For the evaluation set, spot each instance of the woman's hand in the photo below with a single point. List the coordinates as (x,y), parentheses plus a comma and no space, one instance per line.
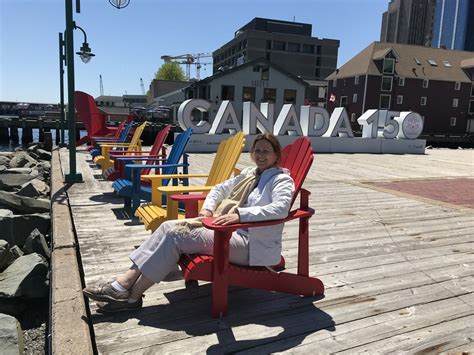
(205,213)
(226,219)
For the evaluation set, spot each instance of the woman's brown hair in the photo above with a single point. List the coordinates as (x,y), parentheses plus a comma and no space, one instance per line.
(270,138)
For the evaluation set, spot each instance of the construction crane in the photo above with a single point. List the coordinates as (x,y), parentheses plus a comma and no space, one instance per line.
(188,60)
(101,85)
(142,86)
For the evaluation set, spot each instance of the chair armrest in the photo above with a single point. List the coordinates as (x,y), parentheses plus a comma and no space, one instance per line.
(132,158)
(182,189)
(122,152)
(185,198)
(191,203)
(172,176)
(112,145)
(295,214)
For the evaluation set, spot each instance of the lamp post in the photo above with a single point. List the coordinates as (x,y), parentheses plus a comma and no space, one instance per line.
(85,53)
(62,58)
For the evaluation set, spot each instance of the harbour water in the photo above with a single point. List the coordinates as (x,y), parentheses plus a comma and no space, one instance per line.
(9,145)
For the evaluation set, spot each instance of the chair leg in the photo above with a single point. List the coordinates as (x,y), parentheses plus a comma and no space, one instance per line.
(220,282)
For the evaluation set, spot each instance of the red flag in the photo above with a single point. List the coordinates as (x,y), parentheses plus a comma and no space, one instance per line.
(332,98)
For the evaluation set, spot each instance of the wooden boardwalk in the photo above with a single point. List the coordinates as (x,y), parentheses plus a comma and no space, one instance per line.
(399,270)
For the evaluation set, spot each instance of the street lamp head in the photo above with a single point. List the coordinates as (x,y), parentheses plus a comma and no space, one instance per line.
(85,53)
(119,4)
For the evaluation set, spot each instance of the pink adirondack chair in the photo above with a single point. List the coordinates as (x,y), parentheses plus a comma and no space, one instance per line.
(298,158)
(93,119)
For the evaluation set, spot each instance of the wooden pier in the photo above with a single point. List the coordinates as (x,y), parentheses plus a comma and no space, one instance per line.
(398,265)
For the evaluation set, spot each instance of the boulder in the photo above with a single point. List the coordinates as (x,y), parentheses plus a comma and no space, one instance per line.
(4,160)
(26,278)
(34,188)
(18,171)
(16,252)
(9,181)
(43,154)
(15,229)
(20,160)
(9,155)
(11,336)
(6,257)
(2,168)
(22,204)
(28,190)
(36,243)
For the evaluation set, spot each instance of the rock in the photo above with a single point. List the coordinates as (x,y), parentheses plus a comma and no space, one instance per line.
(21,159)
(2,168)
(28,190)
(9,155)
(6,256)
(16,251)
(22,204)
(34,188)
(43,154)
(26,278)
(36,243)
(18,171)
(4,160)
(16,228)
(11,336)
(46,165)
(9,181)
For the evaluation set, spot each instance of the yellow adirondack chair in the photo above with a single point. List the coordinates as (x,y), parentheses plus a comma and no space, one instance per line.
(134,147)
(153,214)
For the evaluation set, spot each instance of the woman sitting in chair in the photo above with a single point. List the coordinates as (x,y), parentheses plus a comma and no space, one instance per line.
(259,193)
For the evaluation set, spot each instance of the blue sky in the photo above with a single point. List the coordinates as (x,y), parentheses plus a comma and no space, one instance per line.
(128,43)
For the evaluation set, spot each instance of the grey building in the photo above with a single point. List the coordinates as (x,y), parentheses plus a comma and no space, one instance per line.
(408,22)
(287,44)
(454,25)
(257,81)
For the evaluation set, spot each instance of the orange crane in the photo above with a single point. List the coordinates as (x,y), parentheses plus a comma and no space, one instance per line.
(188,60)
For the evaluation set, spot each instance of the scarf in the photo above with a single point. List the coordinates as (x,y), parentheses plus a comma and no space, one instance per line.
(236,199)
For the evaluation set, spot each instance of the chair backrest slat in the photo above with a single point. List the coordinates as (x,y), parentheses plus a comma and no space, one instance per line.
(89,114)
(157,144)
(177,151)
(297,158)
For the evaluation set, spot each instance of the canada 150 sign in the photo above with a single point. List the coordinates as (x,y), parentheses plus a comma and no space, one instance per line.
(313,121)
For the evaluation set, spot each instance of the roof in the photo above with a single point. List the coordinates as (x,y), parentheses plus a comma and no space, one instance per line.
(364,62)
(109,98)
(258,60)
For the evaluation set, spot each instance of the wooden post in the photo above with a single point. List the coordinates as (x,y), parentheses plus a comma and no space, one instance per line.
(27,136)
(14,134)
(4,134)
(48,141)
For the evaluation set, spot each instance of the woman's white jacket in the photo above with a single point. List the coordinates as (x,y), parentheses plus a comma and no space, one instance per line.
(270,200)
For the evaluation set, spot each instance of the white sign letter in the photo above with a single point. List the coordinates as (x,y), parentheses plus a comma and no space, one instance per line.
(185,115)
(225,119)
(252,118)
(287,121)
(314,121)
(411,124)
(339,125)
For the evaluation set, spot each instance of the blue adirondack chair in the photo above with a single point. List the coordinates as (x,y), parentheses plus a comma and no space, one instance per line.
(131,189)
(122,139)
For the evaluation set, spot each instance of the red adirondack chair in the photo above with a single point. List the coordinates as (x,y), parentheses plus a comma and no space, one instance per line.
(93,119)
(117,171)
(113,138)
(298,158)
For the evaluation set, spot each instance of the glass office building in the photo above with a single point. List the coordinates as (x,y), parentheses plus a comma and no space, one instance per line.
(454,24)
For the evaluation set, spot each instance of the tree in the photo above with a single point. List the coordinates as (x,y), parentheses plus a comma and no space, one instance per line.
(170,71)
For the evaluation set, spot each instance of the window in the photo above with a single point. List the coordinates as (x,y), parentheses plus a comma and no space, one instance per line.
(269,44)
(279,45)
(356,80)
(307,48)
(399,99)
(334,83)
(289,96)
(227,92)
(447,64)
(455,102)
(388,65)
(267,56)
(269,95)
(384,102)
(353,117)
(248,94)
(343,101)
(472,89)
(471,106)
(425,83)
(401,81)
(293,47)
(432,62)
(417,61)
(457,85)
(265,75)
(386,83)
(452,122)
(354,98)
(256,68)
(423,101)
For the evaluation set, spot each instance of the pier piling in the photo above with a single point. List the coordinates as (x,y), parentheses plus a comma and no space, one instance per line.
(14,134)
